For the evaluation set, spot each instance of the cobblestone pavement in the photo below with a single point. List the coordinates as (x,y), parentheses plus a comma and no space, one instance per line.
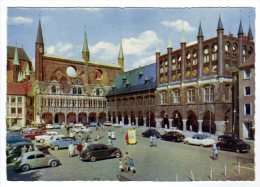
(168,161)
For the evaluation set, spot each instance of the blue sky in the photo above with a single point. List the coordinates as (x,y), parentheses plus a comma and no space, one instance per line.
(142,30)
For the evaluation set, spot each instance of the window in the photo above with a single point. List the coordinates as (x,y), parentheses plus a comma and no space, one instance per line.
(98,74)
(191,95)
(247,109)
(13,99)
(40,156)
(176,96)
(247,73)
(206,55)
(227,92)
(162,98)
(31,157)
(53,89)
(208,94)
(247,90)
(13,111)
(74,90)
(79,91)
(97,92)
(20,110)
(19,99)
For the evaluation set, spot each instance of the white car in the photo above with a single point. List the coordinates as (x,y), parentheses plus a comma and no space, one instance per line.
(199,139)
(78,129)
(52,138)
(117,125)
(45,137)
(107,123)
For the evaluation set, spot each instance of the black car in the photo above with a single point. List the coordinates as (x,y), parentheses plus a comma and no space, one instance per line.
(15,151)
(173,136)
(233,145)
(228,136)
(99,151)
(151,132)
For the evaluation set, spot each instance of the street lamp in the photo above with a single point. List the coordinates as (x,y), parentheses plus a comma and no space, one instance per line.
(234,121)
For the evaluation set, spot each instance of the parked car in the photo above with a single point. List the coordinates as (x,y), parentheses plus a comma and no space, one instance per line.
(16,127)
(233,145)
(78,129)
(99,151)
(176,129)
(46,136)
(173,136)
(35,159)
(15,152)
(107,123)
(53,126)
(199,139)
(228,136)
(150,132)
(12,139)
(52,138)
(32,134)
(63,142)
(93,124)
(117,125)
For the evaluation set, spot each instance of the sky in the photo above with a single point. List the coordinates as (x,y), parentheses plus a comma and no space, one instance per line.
(141,30)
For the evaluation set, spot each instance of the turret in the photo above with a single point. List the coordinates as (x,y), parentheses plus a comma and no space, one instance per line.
(220,33)
(183,54)
(157,54)
(240,35)
(121,62)
(200,39)
(169,59)
(85,49)
(16,66)
(39,52)
(250,34)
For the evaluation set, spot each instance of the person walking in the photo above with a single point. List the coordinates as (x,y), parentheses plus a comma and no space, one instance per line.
(121,167)
(126,162)
(214,151)
(113,138)
(154,140)
(79,148)
(132,167)
(30,148)
(24,149)
(71,150)
(126,138)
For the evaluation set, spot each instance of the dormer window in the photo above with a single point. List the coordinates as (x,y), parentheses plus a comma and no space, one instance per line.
(140,74)
(124,78)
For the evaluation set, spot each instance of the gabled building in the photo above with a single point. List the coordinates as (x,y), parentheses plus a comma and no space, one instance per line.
(19,107)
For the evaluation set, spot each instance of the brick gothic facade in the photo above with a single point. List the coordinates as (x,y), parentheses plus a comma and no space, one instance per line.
(194,84)
(70,90)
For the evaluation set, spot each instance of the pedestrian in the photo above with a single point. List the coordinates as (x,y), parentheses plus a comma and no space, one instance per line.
(151,140)
(71,150)
(154,140)
(30,148)
(24,149)
(214,151)
(113,138)
(85,147)
(35,148)
(79,148)
(126,162)
(68,130)
(132,167)
(126,139)
(72,135)
(109,134)
(121,167)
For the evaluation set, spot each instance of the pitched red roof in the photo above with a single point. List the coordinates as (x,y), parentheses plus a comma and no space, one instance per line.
(15,89)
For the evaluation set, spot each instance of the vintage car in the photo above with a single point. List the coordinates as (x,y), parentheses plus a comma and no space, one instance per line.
(12,139)
(63,142)
(233,145)
(46,136)
(52,138)
(99,151)
(35,159)
(199,139)
(33,133)
(173,136)
(151,132)
(107,123)
(53,126)
(78,129)
(228,136)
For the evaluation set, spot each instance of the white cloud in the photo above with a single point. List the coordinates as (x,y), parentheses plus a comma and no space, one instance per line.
(178,24)
(19,20)
(145,41)
(145,61)
(104,50)
(61,49)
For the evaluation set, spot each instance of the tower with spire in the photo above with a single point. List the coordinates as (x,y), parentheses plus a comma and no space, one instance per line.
(85,49)
(240,35)
(39,52)
(200,39)
(220,34)
(16,66)
(121,62)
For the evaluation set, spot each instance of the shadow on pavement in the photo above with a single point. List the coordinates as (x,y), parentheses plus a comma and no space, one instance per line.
(123,178)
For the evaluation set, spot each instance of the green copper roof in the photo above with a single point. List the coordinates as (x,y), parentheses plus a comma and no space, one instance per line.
(16,58)
(220,26)
(85,44)
(200,33)
(20,78)
(39,38)
(240,29)
(120,54)
(23,73)
(27,70)
(20,51)
(250,34)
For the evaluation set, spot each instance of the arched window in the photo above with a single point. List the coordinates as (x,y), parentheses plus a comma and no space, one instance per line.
(191,95)
(206,55)
(214,52)
(79,91)
(97,92)
(98,74)
(74,90)
(53,89)
(176,96)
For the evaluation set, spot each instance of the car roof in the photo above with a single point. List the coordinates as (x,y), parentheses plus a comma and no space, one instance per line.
(33,153)
(22,143)
(96,145)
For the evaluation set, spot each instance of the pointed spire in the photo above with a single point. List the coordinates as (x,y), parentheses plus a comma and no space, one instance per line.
(120,54)
(240,30)
(39,38)
(220,26)
(183,34)
(169,43)
(19,77)
(27,70)
(85,44)
(200,33)
(250,34)
(16,58)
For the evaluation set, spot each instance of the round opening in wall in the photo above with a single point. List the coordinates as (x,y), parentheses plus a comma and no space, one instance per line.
(71,72)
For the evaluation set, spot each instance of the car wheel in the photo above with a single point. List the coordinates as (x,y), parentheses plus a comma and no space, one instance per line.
(118,155)
(13,159)
(54,163)
(25,167)
(56,147)
(41,140)
(92,159)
